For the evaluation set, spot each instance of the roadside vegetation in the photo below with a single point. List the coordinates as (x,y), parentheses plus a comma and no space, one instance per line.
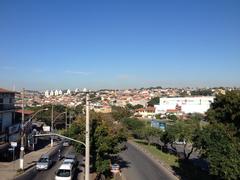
(216,140)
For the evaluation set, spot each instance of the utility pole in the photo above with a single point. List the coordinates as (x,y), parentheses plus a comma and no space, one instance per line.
(22,135)
(52,127)
(66,120)
(87,151)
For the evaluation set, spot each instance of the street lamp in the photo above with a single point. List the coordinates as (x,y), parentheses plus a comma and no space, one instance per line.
(46,109)
(53,120)
(22,131)
(87,150)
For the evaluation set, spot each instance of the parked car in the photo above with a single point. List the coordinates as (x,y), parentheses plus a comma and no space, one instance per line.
(65,172)
(66,143)
(71,157)
(44,163)
(68,161)
(115,168)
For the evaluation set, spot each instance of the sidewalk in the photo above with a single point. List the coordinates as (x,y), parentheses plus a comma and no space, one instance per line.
(8,170)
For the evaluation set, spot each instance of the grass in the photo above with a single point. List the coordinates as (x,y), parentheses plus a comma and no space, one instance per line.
(166,158)
(184,169)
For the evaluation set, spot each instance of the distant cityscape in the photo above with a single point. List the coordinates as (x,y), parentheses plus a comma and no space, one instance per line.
(105,99)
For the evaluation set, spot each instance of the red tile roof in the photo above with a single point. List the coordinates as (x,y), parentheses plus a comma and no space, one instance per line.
(27,112)
(5,91)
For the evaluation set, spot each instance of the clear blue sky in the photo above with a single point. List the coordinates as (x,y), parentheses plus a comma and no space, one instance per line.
(49,44)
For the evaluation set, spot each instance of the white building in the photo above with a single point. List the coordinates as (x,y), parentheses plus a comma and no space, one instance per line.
(68,92)
(186,104)
(60,92)
(46,93)
(56,93)
(51,93)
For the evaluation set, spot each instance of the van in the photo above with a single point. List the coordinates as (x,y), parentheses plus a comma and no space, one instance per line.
(65,172)
(44,163)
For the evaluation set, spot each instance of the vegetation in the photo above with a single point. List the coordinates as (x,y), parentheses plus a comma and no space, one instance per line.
(154,101)
(219,141)
(106,138)
(202,92)
(168,159)
(120,113)
(181,131)
(45,116)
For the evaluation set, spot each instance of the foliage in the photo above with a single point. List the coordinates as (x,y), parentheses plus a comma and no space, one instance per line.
(181,131)
(154,101)
(221,148)
(150,133)
(226,109)
(45,116)
(172,117)
(120,113)
(202,92)
(106,137)
(138,106)
(219,141)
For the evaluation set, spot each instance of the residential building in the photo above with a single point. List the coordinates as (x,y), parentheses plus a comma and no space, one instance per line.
(7,119)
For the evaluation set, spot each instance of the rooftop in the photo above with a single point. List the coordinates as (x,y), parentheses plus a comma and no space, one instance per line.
(5,91)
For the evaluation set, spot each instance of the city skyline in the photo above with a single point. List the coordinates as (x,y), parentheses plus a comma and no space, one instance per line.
(119,45)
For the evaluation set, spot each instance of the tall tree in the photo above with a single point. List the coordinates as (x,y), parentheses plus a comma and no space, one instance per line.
(226,108)
(220,147)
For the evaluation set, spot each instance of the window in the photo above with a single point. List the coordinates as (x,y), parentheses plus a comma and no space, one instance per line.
(1,104)
(1,118)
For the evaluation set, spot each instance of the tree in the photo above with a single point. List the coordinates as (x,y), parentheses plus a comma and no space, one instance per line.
(138,106)
(220,147)
(119,113)
(226,108)
(151,133)
(154,101)
(105,140)
(181,131)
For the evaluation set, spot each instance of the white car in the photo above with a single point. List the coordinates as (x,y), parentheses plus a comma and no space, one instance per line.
(65,172)
(44,163)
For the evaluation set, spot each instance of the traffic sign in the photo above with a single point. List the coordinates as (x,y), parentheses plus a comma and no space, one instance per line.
(22,148)
(14,144)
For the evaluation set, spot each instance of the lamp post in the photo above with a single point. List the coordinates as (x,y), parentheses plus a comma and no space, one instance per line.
(22,131)
(87,142)
(87,151)
(22,138)
(52,127)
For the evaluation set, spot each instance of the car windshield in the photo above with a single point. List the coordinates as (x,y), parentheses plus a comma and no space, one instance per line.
(43,160)
(63,173)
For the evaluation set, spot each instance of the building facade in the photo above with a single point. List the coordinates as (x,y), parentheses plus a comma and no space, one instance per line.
(9,129)
(185,104)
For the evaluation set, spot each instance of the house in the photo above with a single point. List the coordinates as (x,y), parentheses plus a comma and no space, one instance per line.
(148,112)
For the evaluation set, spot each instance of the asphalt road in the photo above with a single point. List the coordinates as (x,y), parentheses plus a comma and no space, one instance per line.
(50,173)
(136,165)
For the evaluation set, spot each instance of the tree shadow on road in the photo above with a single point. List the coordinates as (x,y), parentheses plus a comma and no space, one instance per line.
(123,164)
(188,171)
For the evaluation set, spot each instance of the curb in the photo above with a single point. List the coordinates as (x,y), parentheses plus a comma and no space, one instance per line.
(31,172)
(153,158)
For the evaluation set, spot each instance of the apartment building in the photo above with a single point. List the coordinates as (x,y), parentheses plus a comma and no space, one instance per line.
(8,126)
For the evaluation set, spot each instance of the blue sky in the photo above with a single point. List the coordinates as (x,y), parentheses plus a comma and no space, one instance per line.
(63,44)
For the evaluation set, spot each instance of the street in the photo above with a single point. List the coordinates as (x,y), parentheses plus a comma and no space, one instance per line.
(50,173)
(136,165)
